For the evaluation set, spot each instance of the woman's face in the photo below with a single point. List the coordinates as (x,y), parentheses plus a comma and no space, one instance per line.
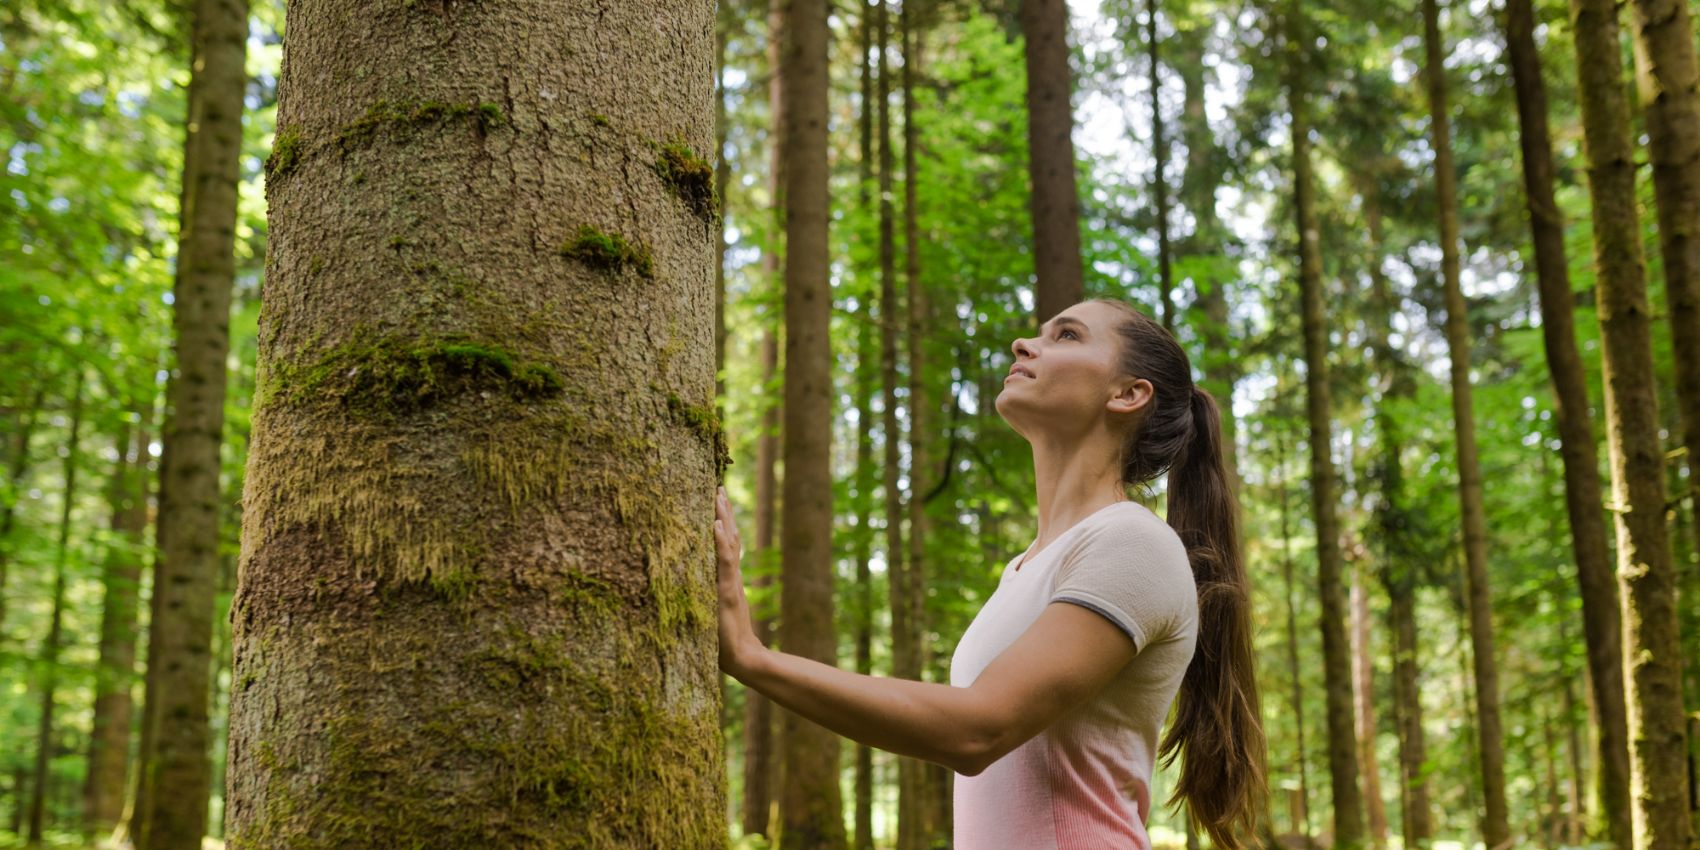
(1067,378)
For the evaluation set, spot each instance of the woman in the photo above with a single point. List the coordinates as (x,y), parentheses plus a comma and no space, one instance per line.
(1059,686)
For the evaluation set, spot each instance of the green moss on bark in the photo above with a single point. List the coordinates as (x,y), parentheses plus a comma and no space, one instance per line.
(286,153)
(401,116)
(388,375)
(691,178)
(609,252)
(704,422)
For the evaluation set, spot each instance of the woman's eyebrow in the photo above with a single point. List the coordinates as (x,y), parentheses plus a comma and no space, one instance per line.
(1069,320)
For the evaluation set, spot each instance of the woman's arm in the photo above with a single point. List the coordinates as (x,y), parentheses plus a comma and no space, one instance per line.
(1061,661)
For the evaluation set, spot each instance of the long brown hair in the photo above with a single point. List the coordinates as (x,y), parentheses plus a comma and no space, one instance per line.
(1218,723)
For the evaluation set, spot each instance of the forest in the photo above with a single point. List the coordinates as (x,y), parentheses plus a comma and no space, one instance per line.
(367,369)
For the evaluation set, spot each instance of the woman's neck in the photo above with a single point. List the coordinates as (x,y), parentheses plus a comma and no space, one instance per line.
(1073,480)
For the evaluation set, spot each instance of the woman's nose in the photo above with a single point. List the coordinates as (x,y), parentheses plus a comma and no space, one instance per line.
(1020,348)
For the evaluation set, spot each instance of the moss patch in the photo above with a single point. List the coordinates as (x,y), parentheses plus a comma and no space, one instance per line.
(691,178)
(609,251)
(286,152)
(402,115)
(388,374)
(704,422)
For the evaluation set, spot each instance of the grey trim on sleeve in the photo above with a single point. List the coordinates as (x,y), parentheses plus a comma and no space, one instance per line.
(1103,610)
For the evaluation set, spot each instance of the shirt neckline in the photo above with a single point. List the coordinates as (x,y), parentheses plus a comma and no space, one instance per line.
(1023,559)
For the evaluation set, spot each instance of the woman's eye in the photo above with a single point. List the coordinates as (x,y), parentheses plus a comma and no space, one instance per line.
(1068,332)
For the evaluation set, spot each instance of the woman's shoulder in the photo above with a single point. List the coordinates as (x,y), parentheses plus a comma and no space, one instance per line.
(1136,529)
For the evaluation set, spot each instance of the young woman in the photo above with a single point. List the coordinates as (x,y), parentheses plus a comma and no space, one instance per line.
(1060,684)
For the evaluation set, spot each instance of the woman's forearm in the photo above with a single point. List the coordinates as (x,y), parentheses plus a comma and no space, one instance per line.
(929,721)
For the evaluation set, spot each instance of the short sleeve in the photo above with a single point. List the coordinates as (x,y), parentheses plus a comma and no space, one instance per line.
(1133,571)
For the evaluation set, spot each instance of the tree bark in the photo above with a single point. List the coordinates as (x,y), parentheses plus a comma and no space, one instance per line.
(1337,667)
(810,803)
(1601,621)
(1667,76)
(179,640)
(109,746)
(1055,201)
(1363,690)
(50,645)
(867,364)
(475,606)
(722,177)
(1159,182)
(1495,826)
(1652,660)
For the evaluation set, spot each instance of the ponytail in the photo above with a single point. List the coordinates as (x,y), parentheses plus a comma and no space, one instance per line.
(1218,726)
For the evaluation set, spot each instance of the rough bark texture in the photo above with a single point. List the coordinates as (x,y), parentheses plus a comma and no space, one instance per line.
(50,644)
(1652,659)
(1496,828)
(1055,201)
(109,745)
(1159,181)
(1601,621)
(476,601)
(180,639)
(759,743)
(722,177)
(1667,76)
(810,804)
(1363,692)
(1336,653)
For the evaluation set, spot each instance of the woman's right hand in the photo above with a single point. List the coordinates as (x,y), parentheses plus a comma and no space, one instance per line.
(738,639)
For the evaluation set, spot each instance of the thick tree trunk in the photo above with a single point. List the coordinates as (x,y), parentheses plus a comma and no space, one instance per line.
(759,744)
(17,464)
(1055,202)
(1363,691)
(476,601)
(1652,655)
(1337,666)
(50,645)
(109,747)
(1496,826)
(809,797)
(1667,76)
(179,641)
(1159,180)
(1601,620)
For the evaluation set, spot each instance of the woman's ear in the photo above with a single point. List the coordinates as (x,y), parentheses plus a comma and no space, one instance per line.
(1132,398)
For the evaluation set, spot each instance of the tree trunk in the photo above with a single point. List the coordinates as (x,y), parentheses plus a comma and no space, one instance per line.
(17,464)
(179,642)
(1496,827)
(759,731)
(1667,76)
(109,747)
(1159,182)
(867,364)
(50,645)
(1652,654)
(1337,666)
(1301,817)
(1363,690)
(1055,202)
(1601,621)
(722,177)
(809,798)
(476,601)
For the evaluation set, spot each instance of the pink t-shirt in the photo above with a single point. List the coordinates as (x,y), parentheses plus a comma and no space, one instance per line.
(1085,782)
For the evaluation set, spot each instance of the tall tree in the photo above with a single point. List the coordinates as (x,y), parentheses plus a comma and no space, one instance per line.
(1496,827)
(1301,815)
(1363,692)
(52,642)
(1055,202)
(810,803)
(1159,180)
(1667,76)
(17,463)
(476,601)
(179,642)
(1658,780)
(867,366)
(109,745)
(1601,621)
(1336,652)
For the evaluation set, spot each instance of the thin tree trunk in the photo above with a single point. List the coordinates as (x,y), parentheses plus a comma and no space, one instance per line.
(44,743)
(1667,76)
(1337,666)
(1159,183)
(1363,690)
(1297,704)
(1055,202)
(1496,826)
(1601,620)
(867,364)
(475,606)
(1573,832)
(179,643)
(109,749)
(908,662)
(18,464)
(1652,653)
(810,804)
(760,789)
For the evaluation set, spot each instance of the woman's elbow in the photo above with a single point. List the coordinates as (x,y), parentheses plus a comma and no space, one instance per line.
(975,752)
